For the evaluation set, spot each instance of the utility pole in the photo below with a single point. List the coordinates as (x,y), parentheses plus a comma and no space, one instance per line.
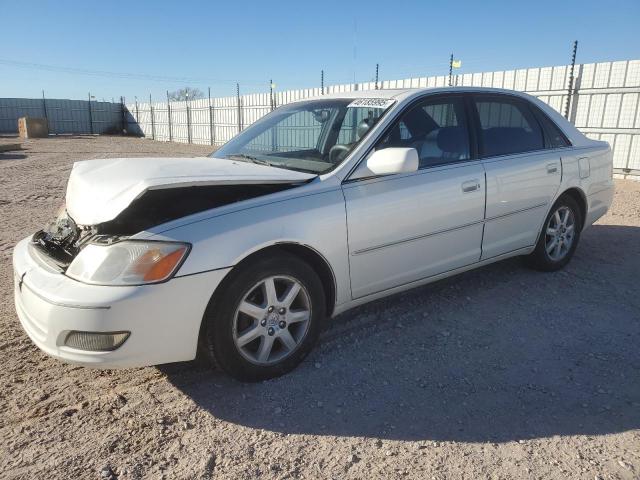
(321,82)
(377,71)
(451,70)
(571,78)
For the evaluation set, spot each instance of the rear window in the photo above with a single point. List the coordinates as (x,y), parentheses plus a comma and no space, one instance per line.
(507,126)
(553,135)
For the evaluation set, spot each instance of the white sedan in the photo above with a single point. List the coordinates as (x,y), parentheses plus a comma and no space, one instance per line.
(322,205)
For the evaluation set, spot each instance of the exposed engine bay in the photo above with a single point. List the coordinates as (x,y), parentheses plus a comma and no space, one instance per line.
(62,239)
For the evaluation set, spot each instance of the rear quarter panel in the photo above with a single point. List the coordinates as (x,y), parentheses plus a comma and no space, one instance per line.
(590,169)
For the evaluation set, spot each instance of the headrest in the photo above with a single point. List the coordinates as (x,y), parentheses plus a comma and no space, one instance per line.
(363,128)
(452,139)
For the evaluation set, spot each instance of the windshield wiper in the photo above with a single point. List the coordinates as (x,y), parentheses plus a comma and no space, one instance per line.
(243,157)
(248,158)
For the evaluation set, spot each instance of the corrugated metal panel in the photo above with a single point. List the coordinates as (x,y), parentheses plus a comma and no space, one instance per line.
(64,116)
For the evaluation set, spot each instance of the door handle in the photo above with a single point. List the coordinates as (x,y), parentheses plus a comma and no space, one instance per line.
(470,186)
(552,168)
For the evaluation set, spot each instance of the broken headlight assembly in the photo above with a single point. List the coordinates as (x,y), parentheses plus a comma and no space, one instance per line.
(128,262)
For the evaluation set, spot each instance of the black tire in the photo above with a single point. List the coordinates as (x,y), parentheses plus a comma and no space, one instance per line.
(217,335)
(540,259)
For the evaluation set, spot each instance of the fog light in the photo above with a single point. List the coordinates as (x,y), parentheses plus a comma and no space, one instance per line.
(96,341)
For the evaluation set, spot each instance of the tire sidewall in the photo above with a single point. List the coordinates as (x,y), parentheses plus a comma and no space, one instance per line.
(220,316)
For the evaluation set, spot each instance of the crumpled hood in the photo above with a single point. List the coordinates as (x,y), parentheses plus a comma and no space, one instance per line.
(99,190)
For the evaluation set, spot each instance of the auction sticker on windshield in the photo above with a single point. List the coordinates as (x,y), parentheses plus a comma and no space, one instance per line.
(372,102)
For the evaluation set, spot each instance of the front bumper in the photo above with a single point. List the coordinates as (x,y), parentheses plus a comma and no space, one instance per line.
(164,319)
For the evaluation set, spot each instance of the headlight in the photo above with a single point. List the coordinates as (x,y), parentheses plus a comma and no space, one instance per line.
(129,262)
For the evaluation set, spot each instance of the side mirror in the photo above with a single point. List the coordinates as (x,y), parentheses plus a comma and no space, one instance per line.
(392,160)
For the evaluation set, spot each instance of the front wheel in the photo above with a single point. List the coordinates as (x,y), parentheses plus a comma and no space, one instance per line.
(559,237)
(265,319)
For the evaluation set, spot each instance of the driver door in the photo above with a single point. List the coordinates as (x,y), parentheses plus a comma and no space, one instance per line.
(403,228)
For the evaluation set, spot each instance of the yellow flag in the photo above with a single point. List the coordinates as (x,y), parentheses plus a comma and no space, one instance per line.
(456,63)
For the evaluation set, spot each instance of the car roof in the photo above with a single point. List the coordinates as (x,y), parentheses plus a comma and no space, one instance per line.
(403,93)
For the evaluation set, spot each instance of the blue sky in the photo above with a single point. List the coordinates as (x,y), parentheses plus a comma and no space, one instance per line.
(210,43)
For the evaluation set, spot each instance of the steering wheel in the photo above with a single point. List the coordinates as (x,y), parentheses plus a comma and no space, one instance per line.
(338,152)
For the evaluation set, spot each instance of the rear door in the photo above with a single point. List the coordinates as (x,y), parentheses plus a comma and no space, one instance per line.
(406,227)
(522,175)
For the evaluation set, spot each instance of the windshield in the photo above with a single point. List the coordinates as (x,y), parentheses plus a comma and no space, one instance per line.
(313,136)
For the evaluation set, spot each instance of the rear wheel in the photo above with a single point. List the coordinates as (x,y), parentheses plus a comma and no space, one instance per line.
(265,318)
(559,237)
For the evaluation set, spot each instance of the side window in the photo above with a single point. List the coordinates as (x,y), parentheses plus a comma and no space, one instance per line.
(553,136)
(507,126)
(436,128)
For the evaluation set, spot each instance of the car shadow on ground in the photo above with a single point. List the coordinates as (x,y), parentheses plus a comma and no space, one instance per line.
(493,355)
(12,156)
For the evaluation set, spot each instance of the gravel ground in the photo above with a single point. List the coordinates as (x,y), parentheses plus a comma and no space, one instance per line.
(497,373)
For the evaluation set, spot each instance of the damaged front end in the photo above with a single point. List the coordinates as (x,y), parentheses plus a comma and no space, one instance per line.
(62,239)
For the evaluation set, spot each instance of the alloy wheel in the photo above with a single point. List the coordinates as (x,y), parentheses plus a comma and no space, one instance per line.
(560,233)
(272,320)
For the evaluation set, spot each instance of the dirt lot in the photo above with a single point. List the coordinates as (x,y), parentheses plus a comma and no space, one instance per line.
(498,373)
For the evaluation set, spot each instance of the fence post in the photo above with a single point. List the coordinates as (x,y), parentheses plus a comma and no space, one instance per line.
(321,82)
(188,119)
(377,69)
(138,117)
(169,116)
(451,70)
(90,116)
(570,87)
(271,94)
(575,94)
(44,107)
(123,114)
(153,123)
(239,108)
(211,133)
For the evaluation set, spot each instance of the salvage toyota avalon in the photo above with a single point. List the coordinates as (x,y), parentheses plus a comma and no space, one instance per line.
(322,205)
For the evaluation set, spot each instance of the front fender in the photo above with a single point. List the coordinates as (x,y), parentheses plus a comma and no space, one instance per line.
(317,220)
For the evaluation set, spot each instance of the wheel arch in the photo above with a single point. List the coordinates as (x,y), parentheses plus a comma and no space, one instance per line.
(307,254)
(580,198)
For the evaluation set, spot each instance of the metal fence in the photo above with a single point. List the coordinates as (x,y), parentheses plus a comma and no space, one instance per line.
(64,116)
(604,105)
